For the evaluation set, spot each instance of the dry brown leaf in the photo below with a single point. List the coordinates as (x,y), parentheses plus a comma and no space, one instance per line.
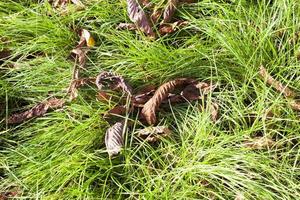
(143,96)
(171,28)
(153,134)
(117,110)
(113,81)
(287,92)
(63,3)
(295,105)
(214,110)
(139,17)
(128,26)
(85,39)
(156,14)
(114,139)
(37,111)
(259,143)
(149,110)
(77,83)
(103,96)
(169,11)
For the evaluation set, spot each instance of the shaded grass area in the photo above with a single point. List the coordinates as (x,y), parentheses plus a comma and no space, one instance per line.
(62,155)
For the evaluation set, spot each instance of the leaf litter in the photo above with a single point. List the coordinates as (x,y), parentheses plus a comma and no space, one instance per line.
(283,89)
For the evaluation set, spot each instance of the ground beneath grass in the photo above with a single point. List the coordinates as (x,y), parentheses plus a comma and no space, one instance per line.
(62,154)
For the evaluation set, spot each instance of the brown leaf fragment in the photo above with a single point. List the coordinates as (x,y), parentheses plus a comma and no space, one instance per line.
(259,143)
(139,17)
(171,28)
(154,134)
(197,90)
(214,110)
(113,81)
(37,111)
(147,4)
(149,110)
(187,1)
(8,195)
(127,26)
(5,54)
(143,96)
(287,92)
(117,110)
(169,11)
(63,3)
(156,14)
(103,96)
(295,105)
(77,83)
(114,139)
(85,39)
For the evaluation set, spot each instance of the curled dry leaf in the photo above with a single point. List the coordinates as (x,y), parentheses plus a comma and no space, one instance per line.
(143,96)
(77,83)
(114,82)
(85,39)
(114,139)
(276,84)
(259,143)
(139,17)
(169,11)
(37,111)
(153,134)
(149,110)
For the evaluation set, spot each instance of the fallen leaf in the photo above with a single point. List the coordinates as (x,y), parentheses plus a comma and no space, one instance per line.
(169,11)
(114,139)
(63,3)
(117,110)
(103,96)
(128,26)
(170,28)
(153,134)
(259,143)
(113,81)
(139,17)
(214,110)
(197,90)
(85,39)
(77,83)
(143,96)
(149,110)
(287,92)
(37,111)
(156,14)
(295,105)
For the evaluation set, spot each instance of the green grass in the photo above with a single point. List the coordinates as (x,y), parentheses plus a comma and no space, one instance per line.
(62,155)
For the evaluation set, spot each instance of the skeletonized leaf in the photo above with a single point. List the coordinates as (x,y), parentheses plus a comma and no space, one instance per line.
(139,17)
(153,134)
(169,11)
(37,111)
(149,110)
(287,92)
(259,143)
(113,81)
(114,139)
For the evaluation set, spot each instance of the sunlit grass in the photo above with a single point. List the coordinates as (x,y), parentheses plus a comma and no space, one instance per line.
(62,155)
